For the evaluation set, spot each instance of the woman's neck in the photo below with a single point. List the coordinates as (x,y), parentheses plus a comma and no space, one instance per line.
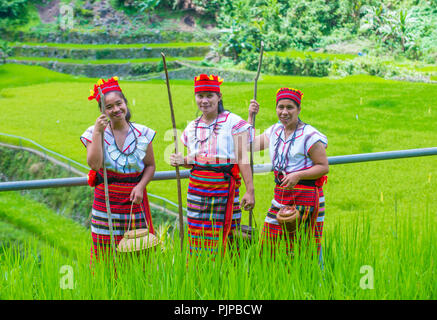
(209,117)
(288,130)
(119,125)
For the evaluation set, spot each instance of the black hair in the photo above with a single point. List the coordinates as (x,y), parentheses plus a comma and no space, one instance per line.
(221,109)
(121,95)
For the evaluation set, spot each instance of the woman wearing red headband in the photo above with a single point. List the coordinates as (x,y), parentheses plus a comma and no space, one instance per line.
(130,166)
(298,155)
(216,143)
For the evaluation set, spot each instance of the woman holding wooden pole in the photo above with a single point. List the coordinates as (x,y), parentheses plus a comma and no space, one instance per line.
(128,154)
(298,155)
(216,143)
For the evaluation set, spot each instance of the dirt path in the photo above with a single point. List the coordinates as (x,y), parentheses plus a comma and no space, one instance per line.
(48,10)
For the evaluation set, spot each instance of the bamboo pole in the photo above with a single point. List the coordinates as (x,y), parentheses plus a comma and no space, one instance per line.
(178,177)
(105,180)
(253,118)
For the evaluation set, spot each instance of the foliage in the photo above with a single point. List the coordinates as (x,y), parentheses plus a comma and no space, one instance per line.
(304,24)
(5,50)
(280,24)
(141,6)
(401,29)
(12,8)
(308,66)
(13,12)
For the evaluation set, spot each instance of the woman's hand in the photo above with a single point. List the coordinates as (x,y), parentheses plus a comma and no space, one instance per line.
(101,123)
(176,159)
(253,107)
(253,110)
(248,201)
(290,180)
(136,195)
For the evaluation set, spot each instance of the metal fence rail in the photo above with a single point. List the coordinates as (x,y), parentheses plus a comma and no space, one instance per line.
(169,175)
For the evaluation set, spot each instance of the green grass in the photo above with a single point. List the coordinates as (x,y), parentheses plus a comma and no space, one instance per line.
(29,219)
(13,75)
(430,68)
(359,114)
(105,61)
(113,46)
(303,54)
(379,214)
(357,265)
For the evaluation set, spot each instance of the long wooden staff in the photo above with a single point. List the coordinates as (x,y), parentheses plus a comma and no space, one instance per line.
(105,181)
(253,118)
(175,134)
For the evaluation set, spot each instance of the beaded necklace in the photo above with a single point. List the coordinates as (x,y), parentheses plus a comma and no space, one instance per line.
(214,129)
(280,163)
(136,140)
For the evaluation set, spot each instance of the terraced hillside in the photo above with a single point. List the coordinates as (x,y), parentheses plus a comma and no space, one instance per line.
(138,60)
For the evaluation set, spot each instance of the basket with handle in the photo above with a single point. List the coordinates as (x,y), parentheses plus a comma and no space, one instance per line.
(288,216)
(137,240)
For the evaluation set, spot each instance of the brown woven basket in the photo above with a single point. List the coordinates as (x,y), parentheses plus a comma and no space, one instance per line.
(137,240)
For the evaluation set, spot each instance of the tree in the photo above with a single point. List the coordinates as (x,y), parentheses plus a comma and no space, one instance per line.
(5,51)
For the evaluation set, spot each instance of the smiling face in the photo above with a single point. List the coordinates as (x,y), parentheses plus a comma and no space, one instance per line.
(288,112)
(207,102)
(115,106)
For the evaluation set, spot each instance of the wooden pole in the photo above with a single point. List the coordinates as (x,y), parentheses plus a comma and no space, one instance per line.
(105,180)
(253,124)
(178,177)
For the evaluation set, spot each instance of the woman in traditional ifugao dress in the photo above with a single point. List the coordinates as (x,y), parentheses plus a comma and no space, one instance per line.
(216,143)
(130,166)
(298,155)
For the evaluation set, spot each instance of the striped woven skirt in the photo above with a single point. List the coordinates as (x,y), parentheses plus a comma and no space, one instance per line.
(209,221)
(310,202)
(119,191)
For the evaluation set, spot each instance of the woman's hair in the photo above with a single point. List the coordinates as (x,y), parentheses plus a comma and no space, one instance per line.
(220,106)
(120,95)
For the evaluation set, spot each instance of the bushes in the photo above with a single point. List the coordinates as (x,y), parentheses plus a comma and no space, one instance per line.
(289,66)
(12,8)
(407,31)
(298,66)
(13,12)
(319,67)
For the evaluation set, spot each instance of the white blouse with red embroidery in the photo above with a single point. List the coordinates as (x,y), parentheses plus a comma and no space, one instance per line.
(130,159)
(215,140)
(292,154)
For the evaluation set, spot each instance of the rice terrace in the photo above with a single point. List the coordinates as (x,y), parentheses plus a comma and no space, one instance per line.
(368,74)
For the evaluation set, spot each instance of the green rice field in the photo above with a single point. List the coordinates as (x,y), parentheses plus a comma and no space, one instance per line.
(314,55)
(104,61)
(380,216)
(112,46)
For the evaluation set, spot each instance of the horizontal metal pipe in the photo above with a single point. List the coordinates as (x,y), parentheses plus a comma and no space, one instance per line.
(260,168)
(386,155)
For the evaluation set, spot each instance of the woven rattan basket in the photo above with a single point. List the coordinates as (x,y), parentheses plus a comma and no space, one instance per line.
(137,240)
